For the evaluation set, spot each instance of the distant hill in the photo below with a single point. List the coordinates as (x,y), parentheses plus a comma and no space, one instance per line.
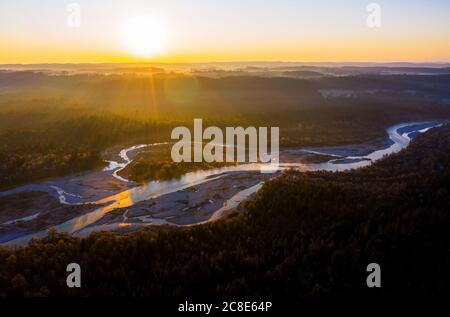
(303,74)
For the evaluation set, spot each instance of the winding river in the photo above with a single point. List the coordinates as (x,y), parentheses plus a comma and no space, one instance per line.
(399,137)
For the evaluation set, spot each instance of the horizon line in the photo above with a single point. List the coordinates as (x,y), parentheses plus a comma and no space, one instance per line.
(440,62)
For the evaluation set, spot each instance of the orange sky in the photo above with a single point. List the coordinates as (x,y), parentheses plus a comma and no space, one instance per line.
(199,31)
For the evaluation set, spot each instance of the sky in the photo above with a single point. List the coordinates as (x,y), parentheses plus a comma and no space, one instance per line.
(173,31)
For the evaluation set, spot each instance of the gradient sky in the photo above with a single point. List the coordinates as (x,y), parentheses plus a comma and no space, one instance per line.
(33,31)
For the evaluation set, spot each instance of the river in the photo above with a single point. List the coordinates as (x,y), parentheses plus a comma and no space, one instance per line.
(207,184)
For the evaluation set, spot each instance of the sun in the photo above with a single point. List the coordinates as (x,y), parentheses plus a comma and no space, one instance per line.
(144,37)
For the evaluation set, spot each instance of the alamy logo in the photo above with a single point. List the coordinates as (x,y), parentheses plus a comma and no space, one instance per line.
(74,16)
(374,18)
(74,278)
(220,150)
(374,278)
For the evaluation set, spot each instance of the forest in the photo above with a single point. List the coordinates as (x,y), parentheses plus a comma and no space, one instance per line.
(54,125)
(303,235)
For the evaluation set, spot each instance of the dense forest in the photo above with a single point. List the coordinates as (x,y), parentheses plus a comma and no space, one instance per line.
(304,234)
(66,145)
(54,125)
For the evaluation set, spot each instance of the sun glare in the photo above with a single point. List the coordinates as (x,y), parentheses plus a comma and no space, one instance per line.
(144,37)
